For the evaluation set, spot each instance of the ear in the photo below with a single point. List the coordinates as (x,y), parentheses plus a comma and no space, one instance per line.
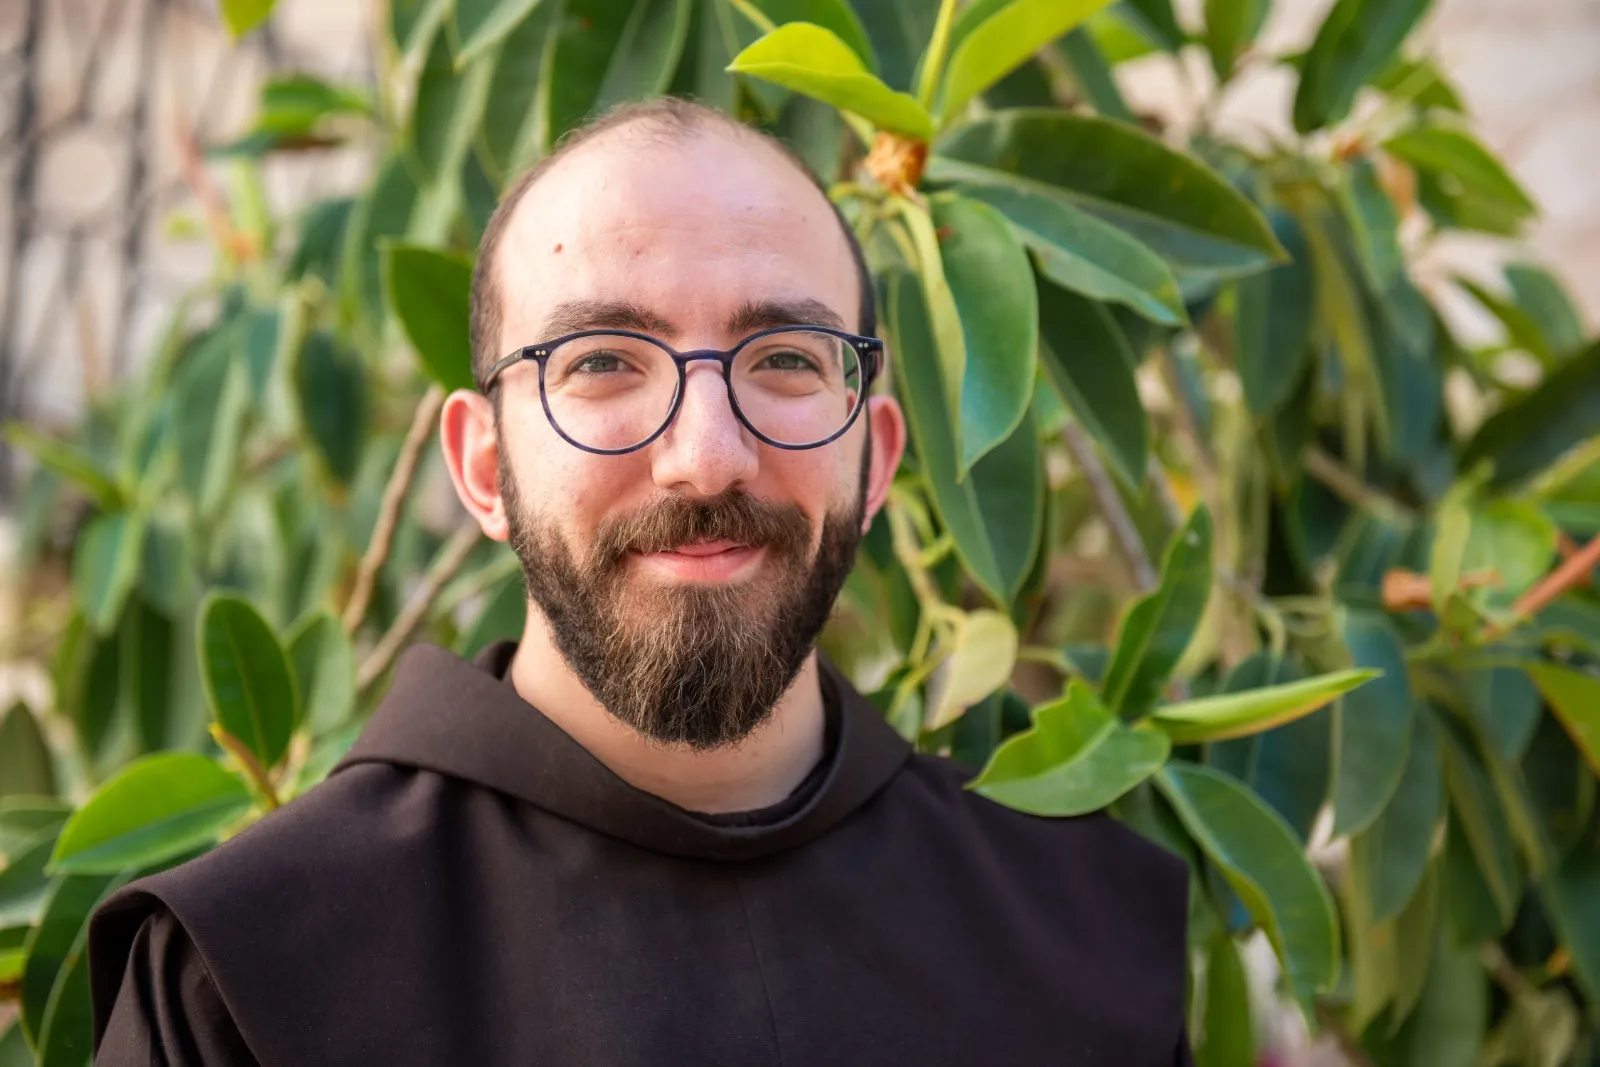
(888,444)
(467,437)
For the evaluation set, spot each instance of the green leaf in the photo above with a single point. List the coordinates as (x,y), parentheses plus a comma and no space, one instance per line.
(430,292)
(66,1031)
(1076,758)
(1288,767)
(1156,20)
(24,883)
(1156,629)
(324,671)
(1571,895)
(479,25)
(1396,846)
(211,404)
(24,818)
(1273,322)
(25,765)
(1419,82)
(1374,222)
(106,566)
(1185,212)
(994,514)
(814,61)
(1446,152)
(330,396)
(1452,1014)
(1241,714)
(1092,71)
(445,114)
(1228,1036)
(153,809)
(1531,431)
(1002,42)
(1415,931)
(1231,26)
(899,31)
(1082,254)
(504,616)
(144,671)
(383,212)
(647,53)
(242,16)
(1574,698)
(1546,303)
(1506,708)
(1474,915)
(72,463)
(1374,725)
(1477,809)
(1261,859)
(984,651)
(516,127)
(992,285)
(1355,43)
(1092,366)
(248,680)
(61,929)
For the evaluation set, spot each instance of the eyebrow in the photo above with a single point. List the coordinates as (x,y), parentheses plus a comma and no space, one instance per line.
(587,314)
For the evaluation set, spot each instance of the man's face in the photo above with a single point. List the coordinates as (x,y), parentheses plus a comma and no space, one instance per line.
(684,582)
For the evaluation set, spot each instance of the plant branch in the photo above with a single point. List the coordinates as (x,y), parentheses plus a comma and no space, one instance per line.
(1574,570)
(1349,487)
(446,563)
(247,760)
(1112,509)
(394,495)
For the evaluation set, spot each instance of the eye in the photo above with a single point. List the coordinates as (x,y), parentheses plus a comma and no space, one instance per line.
(598,363)
(787,359)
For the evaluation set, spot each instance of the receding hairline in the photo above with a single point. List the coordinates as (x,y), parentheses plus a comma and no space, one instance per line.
(662,121)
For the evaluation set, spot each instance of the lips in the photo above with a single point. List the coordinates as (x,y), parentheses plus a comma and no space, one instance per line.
(702,561)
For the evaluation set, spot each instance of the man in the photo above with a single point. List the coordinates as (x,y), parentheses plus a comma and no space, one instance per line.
(658,830)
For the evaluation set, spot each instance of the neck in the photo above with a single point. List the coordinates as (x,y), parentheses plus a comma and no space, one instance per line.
(761,770)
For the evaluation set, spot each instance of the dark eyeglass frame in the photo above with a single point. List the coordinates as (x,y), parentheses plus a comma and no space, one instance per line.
(869,349)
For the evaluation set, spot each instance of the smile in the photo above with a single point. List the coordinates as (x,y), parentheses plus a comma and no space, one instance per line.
(704,561)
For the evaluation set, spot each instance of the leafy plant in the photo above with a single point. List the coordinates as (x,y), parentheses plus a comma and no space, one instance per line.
(1298,600)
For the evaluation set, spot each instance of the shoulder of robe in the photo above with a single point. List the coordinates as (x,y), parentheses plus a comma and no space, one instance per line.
(1107,867)
(337,845)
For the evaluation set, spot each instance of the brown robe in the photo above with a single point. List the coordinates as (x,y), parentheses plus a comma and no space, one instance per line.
(471,887)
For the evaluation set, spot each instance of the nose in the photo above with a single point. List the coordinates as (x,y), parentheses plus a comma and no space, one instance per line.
(707,449)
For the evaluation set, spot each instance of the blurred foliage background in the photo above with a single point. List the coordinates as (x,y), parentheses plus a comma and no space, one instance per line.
(1209,517)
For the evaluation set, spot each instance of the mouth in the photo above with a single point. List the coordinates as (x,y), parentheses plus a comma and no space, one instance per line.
(703,561)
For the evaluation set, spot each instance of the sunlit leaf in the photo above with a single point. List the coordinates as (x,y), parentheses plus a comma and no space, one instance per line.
(984,651)
(1240,714)
(1003,41)
(1076,758)
(155,808)
(813,61)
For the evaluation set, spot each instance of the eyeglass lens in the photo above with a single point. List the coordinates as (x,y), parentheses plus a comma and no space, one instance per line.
(611,391)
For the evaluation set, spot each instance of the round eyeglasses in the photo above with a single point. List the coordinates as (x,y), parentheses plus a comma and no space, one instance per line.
(615,391)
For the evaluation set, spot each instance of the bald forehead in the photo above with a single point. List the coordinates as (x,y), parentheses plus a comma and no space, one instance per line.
(636,195)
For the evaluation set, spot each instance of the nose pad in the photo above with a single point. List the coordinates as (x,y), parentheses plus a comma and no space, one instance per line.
(706,448)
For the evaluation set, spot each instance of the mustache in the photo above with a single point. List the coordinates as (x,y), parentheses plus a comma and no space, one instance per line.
(675,520)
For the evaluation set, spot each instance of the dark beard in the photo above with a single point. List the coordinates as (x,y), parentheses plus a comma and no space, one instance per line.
(701,666)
